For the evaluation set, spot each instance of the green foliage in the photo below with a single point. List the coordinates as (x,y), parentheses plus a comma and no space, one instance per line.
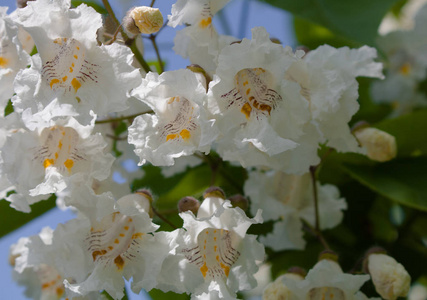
(11,219)
(156,294)
(356,20)
(99,8)
(403,181)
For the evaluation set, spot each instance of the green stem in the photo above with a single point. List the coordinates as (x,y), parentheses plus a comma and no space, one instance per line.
(123,118)
(315,197)
(152,3)
(128,41)
(153,41)
(317,234)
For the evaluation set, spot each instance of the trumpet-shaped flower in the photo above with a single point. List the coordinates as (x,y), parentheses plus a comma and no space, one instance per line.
(12,57)
(70,65)
(327,77)
(180,125)
(214,257)
(288,199)
(49,153)
(262,117)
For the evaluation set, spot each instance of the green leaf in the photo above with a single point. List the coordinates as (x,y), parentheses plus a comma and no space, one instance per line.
(93,4)
(403,181)
(357,20)
(409,131)
(11,219)
(156,294)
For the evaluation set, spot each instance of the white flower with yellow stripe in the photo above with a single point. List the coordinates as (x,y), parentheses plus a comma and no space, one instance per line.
(50,152)
(215,257)
(70,65)
(262,117)
(180,125)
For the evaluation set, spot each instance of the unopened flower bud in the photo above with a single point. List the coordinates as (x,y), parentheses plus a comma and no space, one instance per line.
(380,145)
(188,204)
(214,192)
(146,198)
(328,254)
(143,19)
(390,278)
(239,201)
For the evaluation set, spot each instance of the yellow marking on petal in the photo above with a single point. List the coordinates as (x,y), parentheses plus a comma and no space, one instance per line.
(246,110)
(215,248)
(72,64)
(122,234)
(130,220)
(48,162)
(405,69)
(185,134)
(60,142)
(76,84)
(116,241)
(110,248)
(59,291)
(3,62)
(71,70)
(78,99)
(204,269)
(215,238)
(77,47)
(205,22)
(137,235)
(245,83)
(217,257)
(56,155)
(119,262)
(248,91)
(53,81)
(225,268)
(171,137)
(126,227)
(97,253)
(75,56)
(64,78)
(69,164)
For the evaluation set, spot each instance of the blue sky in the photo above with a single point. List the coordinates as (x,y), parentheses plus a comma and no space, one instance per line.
(277,23)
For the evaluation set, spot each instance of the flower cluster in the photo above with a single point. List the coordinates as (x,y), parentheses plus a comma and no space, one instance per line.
(253,102)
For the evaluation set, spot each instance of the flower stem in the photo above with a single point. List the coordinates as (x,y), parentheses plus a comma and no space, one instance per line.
(163,218)
(159,59)
(123,118)
(128,41)
(315,197)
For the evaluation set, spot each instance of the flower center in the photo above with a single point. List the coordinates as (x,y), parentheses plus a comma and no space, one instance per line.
(215,253)
(253,92)
(326,293)
(114,240)
(180,120)
(69,69)
(59,148)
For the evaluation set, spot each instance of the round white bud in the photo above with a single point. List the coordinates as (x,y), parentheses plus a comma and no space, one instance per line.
(380,145)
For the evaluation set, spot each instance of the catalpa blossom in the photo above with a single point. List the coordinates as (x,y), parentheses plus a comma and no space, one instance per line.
(70,65)
(327,77)
(39,263)
(49,153)
(287,199)
(120,244)
(406,63)
(262,117)
(195,12)
(326,280)
(12,57)
(214,257)
(180,125)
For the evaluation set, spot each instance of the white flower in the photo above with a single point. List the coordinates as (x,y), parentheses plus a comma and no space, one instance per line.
(180,126)
(326,280)
(328,81)
(390,278)
(262,117)
(195,12)
(12,57)
(50,153)
(70,65)
(406,62)
(278,290)
(215,257)
(289,198)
